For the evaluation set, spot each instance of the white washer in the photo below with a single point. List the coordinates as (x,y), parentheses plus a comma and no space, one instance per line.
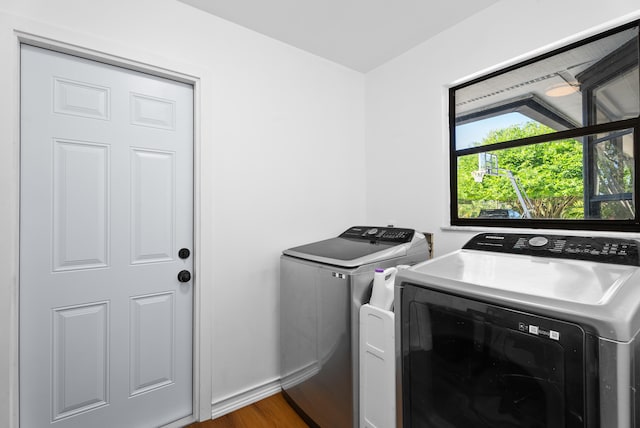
(521,330)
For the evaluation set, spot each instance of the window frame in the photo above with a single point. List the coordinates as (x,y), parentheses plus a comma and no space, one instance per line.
(568,130)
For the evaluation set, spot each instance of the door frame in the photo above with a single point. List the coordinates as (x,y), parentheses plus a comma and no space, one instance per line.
(14,32)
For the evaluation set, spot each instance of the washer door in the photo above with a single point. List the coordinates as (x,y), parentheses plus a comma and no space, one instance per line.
(471,364)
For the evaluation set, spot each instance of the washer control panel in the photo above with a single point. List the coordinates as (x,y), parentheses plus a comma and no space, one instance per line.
(376,233)
(595,249)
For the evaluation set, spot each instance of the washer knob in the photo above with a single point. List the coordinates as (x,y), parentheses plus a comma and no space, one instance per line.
(372,231)
(538,241)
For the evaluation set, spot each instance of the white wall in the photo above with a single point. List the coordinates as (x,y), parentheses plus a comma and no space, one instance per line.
(285,137)
(285,143)
(406,107)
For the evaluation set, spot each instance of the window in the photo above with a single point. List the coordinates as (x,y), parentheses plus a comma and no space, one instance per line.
(552,142)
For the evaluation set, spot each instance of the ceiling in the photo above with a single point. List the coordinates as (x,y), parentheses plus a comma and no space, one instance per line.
(359,34)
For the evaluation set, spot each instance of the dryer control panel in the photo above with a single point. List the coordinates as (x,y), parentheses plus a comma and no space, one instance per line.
(394,235)
(595,249)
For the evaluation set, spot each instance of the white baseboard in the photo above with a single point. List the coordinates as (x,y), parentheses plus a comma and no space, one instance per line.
(242,399)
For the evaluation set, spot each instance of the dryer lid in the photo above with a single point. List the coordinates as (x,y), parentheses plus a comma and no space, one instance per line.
(590,281)
(496,275)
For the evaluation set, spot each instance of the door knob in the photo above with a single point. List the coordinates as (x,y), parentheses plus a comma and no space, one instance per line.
(184,253)
(184,276)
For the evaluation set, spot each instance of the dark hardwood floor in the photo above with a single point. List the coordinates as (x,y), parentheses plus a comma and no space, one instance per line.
(272,412)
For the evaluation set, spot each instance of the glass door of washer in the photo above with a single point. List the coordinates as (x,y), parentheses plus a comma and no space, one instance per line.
(468,364)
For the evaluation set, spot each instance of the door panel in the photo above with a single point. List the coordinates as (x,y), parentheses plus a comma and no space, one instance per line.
(80,205)
(152,197)
(80,345)
(152,353)
(106,202)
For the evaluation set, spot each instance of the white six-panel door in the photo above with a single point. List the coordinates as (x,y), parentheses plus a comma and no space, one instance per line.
(106,207)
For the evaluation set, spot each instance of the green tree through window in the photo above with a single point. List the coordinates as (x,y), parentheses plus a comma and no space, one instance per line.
(550,174)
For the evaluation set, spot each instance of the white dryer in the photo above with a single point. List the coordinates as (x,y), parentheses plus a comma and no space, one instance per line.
(513,330)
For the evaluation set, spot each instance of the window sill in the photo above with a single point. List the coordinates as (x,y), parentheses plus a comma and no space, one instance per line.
(590,233)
